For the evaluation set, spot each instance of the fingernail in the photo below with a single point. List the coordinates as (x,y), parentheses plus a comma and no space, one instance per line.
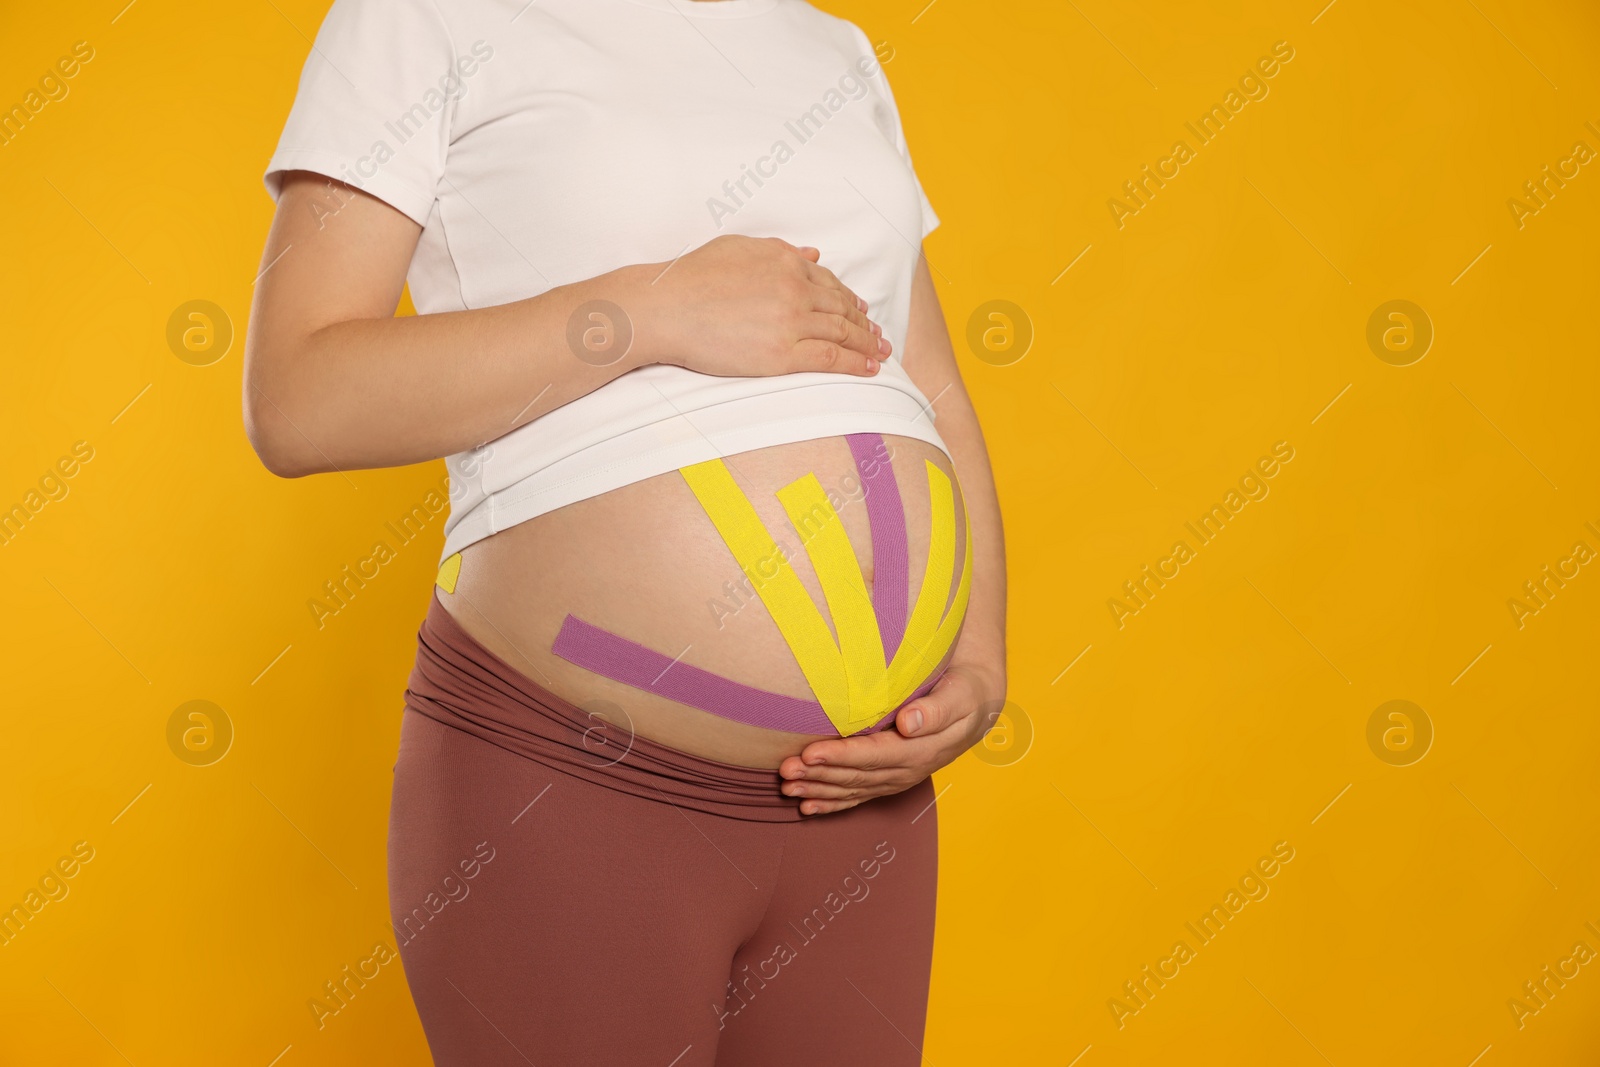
(860,303)
(795,791)
(816,761)
(883,345)
(872,366)
(914,720)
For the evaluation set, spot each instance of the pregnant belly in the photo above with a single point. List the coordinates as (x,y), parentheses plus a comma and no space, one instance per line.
(738,609)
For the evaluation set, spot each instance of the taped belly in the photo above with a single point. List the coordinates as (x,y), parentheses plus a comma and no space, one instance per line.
(875,658)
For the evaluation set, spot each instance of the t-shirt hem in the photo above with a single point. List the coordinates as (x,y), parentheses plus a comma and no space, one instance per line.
(502,510)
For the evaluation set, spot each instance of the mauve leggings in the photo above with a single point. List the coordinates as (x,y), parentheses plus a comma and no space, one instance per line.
(563,894)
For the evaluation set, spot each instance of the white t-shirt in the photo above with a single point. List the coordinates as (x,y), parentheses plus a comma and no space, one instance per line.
(542,143)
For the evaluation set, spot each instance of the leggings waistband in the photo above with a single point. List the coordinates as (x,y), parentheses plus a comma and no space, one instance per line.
(460,683)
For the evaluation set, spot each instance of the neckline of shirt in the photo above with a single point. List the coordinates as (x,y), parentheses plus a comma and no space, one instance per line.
(710,9)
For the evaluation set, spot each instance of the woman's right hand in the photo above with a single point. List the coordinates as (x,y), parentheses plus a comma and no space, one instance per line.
(756,306)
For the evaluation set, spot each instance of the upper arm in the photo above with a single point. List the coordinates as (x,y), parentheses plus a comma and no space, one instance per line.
(333,254)
(928,359)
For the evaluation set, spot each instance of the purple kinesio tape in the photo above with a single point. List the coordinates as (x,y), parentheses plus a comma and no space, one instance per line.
(891,565)
(630,663)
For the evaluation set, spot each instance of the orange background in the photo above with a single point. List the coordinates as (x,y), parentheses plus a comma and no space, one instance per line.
(1167,754)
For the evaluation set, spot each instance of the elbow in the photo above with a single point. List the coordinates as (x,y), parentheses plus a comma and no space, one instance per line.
(275,453)
(277,443)
(283,464)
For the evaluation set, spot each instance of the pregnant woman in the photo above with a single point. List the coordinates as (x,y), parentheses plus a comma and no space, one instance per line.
(722,581)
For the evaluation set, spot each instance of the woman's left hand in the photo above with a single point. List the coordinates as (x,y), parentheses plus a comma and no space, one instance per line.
(929,733)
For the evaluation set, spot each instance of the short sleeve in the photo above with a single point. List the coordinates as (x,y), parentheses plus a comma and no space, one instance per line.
(375,103)
(930,220)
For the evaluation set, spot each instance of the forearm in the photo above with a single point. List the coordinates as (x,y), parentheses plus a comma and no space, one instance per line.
(384,392)
(333,381)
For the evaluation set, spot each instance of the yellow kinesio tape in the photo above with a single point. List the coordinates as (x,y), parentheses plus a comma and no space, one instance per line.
(786,599)
(449,572)
(854,685)
(931,630)
(854,623)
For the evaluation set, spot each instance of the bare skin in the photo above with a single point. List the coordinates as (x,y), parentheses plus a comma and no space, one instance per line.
(334,381)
